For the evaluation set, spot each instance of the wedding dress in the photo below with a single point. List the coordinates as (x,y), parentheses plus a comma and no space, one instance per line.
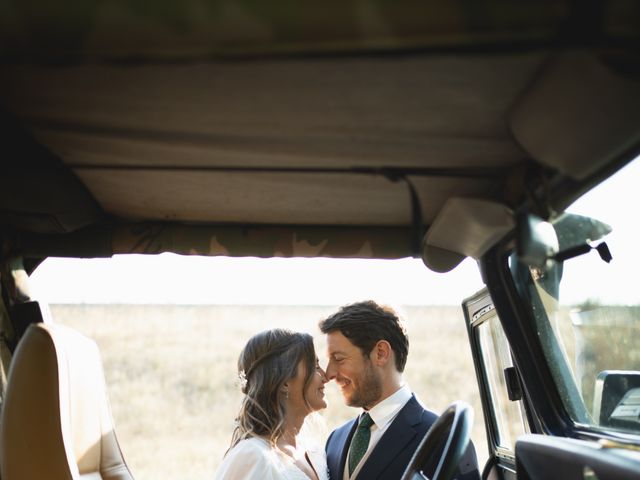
(255,459)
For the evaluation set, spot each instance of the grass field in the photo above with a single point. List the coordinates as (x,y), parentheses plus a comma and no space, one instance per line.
(172,378)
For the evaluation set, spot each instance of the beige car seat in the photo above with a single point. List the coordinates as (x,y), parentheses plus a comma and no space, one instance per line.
(56,421)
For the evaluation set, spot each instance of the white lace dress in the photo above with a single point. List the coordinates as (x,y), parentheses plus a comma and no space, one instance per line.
(254,459)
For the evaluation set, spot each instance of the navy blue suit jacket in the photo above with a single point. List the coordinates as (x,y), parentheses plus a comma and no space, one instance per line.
(394,450)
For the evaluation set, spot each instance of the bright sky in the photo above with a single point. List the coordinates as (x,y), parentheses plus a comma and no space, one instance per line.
(614,202)
(170,278)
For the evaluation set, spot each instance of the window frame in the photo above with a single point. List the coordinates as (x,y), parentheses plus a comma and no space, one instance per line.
(479,310)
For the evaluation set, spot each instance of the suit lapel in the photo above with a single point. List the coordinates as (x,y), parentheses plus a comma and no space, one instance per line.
(397,436)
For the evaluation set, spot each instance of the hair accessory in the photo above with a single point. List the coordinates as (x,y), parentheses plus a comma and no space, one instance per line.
(242,380)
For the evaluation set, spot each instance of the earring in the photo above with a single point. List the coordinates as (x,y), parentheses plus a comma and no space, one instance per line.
(286,394)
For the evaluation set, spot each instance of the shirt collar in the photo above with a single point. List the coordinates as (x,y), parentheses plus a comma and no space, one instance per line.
(385,411)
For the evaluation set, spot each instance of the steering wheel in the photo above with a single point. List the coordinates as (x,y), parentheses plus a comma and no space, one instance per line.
(443,446)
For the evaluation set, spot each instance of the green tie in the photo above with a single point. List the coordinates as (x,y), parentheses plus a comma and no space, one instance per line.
(360,442)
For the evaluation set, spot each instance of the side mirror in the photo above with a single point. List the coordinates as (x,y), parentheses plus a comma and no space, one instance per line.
(616,401)
(537,241)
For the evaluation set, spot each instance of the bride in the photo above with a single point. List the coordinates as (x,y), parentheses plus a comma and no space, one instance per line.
(283,383)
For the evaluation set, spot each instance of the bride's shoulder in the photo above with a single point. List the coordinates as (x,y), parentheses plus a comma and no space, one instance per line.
(251,446)
(251,458)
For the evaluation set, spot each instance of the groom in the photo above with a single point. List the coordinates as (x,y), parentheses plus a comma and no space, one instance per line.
(367,347)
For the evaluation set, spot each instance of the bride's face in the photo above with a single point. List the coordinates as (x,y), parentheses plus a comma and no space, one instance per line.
(314,392)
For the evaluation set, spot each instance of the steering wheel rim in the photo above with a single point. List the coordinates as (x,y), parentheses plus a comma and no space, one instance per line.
(449,435)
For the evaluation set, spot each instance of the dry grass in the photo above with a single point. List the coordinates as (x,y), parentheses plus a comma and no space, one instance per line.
(171,374)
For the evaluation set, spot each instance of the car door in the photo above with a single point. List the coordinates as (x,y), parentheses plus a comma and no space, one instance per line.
(504,412)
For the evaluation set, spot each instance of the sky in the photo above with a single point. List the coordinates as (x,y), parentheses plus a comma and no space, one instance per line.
(170,278)
(614,202)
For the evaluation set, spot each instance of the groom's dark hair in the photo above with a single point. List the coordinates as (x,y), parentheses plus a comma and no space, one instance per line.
(366,323)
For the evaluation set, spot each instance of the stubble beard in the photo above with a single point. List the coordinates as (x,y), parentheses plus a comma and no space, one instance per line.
(369,389)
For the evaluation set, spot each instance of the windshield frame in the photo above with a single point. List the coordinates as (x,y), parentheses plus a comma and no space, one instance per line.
(543,398)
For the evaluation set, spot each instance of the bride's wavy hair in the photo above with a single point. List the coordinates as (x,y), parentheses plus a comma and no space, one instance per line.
(268,360)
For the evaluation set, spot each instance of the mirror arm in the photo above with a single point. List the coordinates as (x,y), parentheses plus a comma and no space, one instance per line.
(601,248)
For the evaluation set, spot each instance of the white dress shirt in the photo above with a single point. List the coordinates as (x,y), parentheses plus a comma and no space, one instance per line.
(382,415)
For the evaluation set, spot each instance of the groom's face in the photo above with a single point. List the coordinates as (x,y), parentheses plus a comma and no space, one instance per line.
(353,371)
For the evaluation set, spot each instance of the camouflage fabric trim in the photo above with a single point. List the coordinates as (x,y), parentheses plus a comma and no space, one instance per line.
(268,241)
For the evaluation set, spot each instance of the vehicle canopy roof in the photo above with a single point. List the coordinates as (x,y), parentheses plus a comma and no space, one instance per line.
(341,129)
